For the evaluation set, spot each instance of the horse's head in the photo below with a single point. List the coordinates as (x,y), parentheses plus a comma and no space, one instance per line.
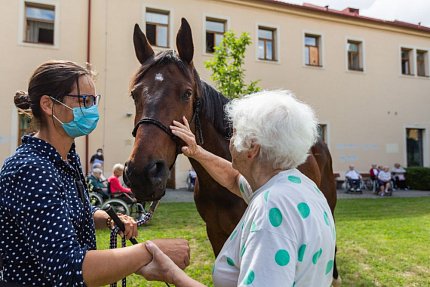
(165,88)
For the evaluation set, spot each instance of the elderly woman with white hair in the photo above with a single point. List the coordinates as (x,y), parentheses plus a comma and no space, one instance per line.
(286,236)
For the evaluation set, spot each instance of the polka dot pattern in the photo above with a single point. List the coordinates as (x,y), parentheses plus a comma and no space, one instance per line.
(39,202)
(249,278)
(275,217)
(301,254)
(316,256)
(304,209)
(282,257)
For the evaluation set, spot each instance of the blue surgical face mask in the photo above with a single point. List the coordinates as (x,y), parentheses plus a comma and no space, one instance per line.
(84,120)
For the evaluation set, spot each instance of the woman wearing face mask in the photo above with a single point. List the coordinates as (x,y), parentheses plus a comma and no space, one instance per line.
(47,234)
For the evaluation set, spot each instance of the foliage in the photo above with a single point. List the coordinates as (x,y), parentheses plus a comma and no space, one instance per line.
(226,66)
(418,178)
(381,241)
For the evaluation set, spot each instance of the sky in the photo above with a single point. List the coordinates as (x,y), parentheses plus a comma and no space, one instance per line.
(412,11)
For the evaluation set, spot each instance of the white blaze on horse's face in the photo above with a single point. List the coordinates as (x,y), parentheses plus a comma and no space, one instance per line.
(159,77)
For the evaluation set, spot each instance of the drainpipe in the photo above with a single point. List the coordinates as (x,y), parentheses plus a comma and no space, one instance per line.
(87,142)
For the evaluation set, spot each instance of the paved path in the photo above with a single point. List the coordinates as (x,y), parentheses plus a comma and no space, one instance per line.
(183,195)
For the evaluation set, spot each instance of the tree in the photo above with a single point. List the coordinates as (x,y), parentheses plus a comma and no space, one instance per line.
(226,66)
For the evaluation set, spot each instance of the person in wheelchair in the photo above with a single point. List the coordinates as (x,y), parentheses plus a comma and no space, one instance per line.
(353,178)
(384,179)
(116,189)
(99,185)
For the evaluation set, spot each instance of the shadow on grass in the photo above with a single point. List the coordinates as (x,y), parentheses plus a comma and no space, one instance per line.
(381,209)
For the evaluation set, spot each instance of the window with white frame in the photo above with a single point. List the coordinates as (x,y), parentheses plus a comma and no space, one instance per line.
(407,61)
(39,23)
(215,29)
(422,63)
(157,27)
(312,50)
(266,43)
(355,55)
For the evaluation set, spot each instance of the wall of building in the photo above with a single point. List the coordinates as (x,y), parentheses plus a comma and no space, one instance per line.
(366,113)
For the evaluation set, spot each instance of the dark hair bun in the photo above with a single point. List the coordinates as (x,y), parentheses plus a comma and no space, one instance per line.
(22,100)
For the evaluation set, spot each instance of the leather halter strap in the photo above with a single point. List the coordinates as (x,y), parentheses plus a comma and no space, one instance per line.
(175,139)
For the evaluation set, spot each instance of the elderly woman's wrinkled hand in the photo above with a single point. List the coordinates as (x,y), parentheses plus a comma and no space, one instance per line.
(130,226)
(161,268)
(184,132)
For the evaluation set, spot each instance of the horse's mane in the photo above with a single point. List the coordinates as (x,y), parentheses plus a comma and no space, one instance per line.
(212,101)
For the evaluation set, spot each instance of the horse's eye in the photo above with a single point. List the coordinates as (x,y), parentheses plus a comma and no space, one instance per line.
(187,95)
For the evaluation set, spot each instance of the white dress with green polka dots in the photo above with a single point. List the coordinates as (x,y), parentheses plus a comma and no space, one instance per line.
(286,237)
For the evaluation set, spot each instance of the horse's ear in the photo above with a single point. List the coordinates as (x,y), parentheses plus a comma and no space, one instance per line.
(141,45)
(184,42)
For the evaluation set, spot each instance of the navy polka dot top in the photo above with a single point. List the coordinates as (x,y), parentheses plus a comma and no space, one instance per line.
(46,224)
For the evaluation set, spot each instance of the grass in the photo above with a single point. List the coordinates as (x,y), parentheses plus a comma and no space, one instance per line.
(381,242)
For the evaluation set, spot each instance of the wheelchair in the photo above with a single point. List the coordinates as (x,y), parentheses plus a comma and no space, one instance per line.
(121,202)
(191,180)
(358,188)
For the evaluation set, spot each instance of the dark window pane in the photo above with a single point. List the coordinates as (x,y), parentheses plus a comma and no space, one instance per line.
(150,33)
(210,42)
(46,36)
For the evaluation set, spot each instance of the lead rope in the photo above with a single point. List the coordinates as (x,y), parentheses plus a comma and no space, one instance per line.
(147,216)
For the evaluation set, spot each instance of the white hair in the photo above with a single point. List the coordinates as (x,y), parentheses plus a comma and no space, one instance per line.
(284,127)
(118,166)
(97,170)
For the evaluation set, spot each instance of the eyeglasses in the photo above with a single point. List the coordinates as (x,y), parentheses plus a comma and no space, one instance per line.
(87,100)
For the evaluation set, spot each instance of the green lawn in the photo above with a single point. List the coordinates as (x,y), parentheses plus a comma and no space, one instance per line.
(381,242)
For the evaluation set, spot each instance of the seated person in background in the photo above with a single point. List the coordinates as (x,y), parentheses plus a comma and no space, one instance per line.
(399,176)
(373,172)
(353,177)
(115,185)
(98,184)
(99,166)
(384,179)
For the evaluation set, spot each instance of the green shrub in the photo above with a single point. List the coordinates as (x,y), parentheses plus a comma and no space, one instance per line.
(418,178)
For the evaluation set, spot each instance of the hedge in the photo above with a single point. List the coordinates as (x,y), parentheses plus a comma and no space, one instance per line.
(418,178)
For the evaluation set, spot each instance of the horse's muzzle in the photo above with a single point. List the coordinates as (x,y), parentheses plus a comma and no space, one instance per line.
(148,183)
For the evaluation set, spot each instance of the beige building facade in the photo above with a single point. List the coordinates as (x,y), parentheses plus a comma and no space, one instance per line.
(367,79)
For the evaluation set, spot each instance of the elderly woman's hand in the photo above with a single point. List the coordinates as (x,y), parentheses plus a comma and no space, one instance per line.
(161,268)
(184,132)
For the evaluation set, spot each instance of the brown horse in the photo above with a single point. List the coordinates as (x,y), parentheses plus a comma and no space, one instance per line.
(167,87)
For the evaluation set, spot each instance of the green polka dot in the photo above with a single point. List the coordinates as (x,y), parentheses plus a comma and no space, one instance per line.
(317,190)
(282,257)
(294,283)
(243,223)
(230,261)
(242,250)
(249,278)
(253,227)
(301,254)
(233,235)
(326,219)
(329,267)
(304,209)
(294,179)
(266,196)
(242,190)
(316,256)
(275,216)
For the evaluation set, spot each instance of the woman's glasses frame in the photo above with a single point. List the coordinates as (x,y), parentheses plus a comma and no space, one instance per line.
(87,100)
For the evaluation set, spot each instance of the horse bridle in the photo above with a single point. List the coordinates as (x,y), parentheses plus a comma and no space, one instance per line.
(175,139)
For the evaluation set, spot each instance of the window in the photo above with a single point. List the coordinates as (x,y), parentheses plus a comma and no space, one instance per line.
(157,28)
(414,147)
(422,63)
(39,23)
(312,50)
(215,30)
(355,56)
(266,44)
(406,61)
(322,132)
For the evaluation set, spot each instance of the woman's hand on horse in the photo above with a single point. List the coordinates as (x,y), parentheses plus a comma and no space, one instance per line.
(184,132)
(130,226)
(161,268)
